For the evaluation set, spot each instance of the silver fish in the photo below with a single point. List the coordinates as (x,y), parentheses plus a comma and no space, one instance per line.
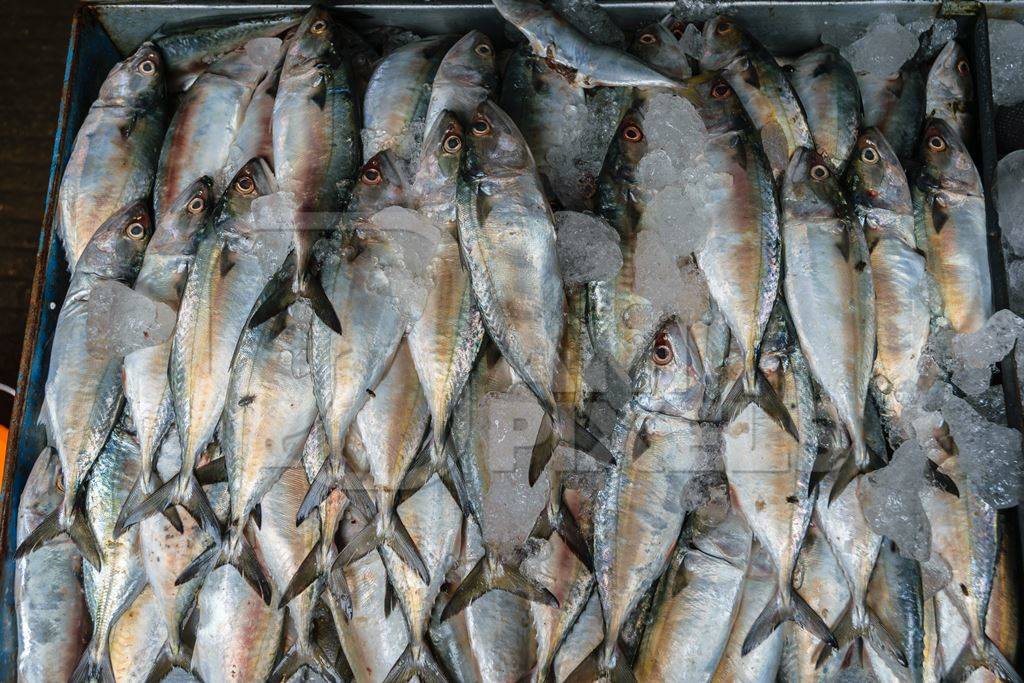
(831,298)
(895,105)
(827,89)
(254,136)
(585,62)
(657,45)
(896,595)
(136,640)
(84,394)
(48,598)
(949,210)
(465,78)
(114,158)
(949,90)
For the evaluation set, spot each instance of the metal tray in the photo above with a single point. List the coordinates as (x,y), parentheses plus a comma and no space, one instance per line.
(103,30)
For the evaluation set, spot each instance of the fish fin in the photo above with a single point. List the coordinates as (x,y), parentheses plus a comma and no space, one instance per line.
(990,658)
(308,572)
(257,516)
(586,441)
(93,667)
(755,388)
(313,292)
(882,641)
(564,524)
(588,670)
(356,494)
(174,519)
(595,667)
(165,661)
(249,567)
(399,540)
(512,580)
(452,479)
(364,542)
(157,501)
(418,663)
(212,472)
(133,499)
(85,540)
(198,505)
(848,471)
(202,565)
(46,531)
(295,658)
(542,527)
(472,587)
(337,586)
(786,608)
(389,597)
(277,295)
(543,448)
(939,479)
(845,634)
(318,491)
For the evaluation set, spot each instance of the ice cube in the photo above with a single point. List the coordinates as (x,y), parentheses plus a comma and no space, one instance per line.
(412,240)
(990,454)
(591,20)
(883,49)
(588,248)
(1004,42)
(991,343)
(1010,196)
(673,125)
(933,34)
(891,504)
(121,320)
(273,220)
(692,42)
(1015,275)
(670,281)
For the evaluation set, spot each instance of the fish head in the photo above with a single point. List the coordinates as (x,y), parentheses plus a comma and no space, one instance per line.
(945,162)
(716,102)
(496,147)
(313,39)
(471,60)
(116,249)
(138,80)
(723,42)
(254,179)
(875,176)
(619,198)
(668,378)
(810,190)
(379,185)
(951,71)
(443,147)
(675,25)
(181,225)
(652,41)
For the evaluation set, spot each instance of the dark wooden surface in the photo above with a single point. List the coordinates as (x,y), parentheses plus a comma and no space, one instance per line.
(33,43)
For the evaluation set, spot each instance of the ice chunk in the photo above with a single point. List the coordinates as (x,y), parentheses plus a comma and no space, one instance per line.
(412,240)
(976,352)
(673,125)
(882,50)
(990,454)
(891,504)
(671,282)
(588,248)
(1004,42)
(1015,275)
(933,34)
(1010,197)
(692,42)
(591,20)
(273,221)
(121,320)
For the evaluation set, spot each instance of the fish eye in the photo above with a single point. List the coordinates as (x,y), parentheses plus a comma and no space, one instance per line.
(452,143)
(147,67)
(963,67)
(936,143)
(371,176)
(662,353)
(135,231)
(720,90)
(481,126)
(869,155)
(648,39)
(196,205)
(819,172)
(245,185)
(632,133)
(678,30)
(318,26)
(723,28)
(59,483)
(484,50)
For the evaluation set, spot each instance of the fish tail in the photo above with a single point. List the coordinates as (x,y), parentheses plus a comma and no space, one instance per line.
(488,575)
(754,387)
(787,605)
(554,430)
(167,659)
(393,534)
(311,571)
(872,631)
(321,486)
(313,292)
(286,287)
(984,656)
(558,520)
(297,657)
(213,472)
(175,491)
(94,665)
(605,662)
(419,662)
(233,549)
(51,527)
(141,488)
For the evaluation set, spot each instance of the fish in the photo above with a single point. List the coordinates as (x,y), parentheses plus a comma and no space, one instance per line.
(254,136)
(84,394)
(827,89)
(49,602)
(949,213)
(583,61)
(268,413)
(761,86)
(949,90)
(883,206)
(232,262)
(895,105)
(896,595)
(856,547)
(205,123)
(658,46)
(769,473)
(966,536)
(445,340)
(190,47)
(113,584)
(829,291)
(514,273)
(114,158)
(136,639)
(465,78)
(162,277)
(397,98)
(315,109)
(641,508)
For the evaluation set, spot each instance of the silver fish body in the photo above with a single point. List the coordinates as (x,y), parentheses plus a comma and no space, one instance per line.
(827,88)
(949,90)
(895,105)
(465,77)
(114,158)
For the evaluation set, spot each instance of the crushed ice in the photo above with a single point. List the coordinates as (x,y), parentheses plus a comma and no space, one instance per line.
(121,320)
(588,248)
(1004,42)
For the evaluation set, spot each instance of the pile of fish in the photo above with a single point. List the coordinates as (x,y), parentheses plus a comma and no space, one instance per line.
(389,357)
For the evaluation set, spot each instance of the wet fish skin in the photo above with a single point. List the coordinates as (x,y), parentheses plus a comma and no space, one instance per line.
(827,89)
(882,203)
(895,105)
(49,603)
(896,595)
(949,212)
(762,87)
(254,136)
(465,77)
(188,49)
(830,294)
(949,90)
(658,46)
(136,639)
(114,158)
(162,277)
(586,63)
